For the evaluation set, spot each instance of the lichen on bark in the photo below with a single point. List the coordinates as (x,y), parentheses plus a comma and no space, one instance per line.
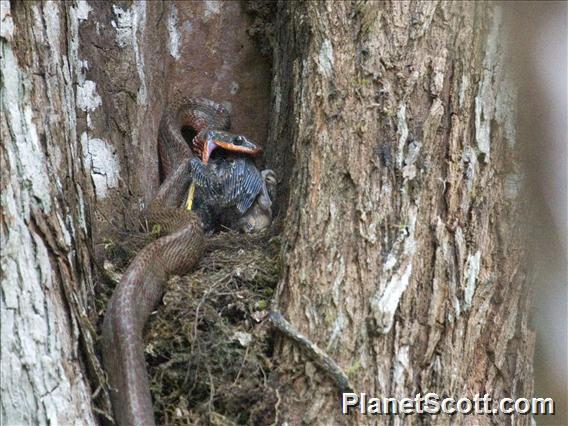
(398,225)
(46,270)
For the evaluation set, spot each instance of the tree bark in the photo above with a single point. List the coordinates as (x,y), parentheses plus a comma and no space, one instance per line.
(47,283)
(402,255)
(392,132)
(83,87)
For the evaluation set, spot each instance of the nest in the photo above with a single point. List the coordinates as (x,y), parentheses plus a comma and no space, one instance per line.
(208,347)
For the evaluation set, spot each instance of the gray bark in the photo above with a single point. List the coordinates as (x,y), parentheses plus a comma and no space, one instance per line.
(392,134)
(47,283)
(402,254)
(83,87)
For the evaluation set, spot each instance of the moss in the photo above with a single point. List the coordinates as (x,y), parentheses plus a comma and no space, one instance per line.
(200,372)
(353,368)
(261,305)
(329,318)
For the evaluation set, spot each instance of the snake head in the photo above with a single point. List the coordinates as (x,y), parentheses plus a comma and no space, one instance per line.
(207,141)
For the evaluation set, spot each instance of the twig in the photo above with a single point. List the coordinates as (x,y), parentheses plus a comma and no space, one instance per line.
(323,360)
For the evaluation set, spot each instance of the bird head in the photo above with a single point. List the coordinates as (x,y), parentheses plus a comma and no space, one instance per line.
(259,215)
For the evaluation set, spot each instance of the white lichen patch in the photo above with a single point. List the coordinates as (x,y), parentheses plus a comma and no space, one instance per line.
(234,88)
(402,130)
(244,339)
(27,155)
(439,72)
(325,58)
(409,170)
(485,99)
(336,330)
(6,21)
(52,26)
(484,106)
(469,161)
(464,87)
(397,271)
(39,381)
(390,262)
(368,226)
(471,273)
(211,8)
(175,37)
(401,366)
(228,105)
(88,99)
(103,163)
(127,23)
(187,27)
(82,66)
(123,25)
(83,10)
(140,21)
(413,152)
(24,275)
(385,306)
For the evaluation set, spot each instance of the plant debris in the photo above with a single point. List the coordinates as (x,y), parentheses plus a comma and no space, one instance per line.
(209,347)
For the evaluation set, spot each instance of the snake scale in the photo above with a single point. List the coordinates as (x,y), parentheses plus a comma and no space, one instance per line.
(183,240)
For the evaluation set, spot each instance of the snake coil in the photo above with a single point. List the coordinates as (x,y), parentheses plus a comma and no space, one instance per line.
(142,285)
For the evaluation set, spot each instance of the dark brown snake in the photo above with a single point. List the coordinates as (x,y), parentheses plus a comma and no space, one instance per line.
(142,285)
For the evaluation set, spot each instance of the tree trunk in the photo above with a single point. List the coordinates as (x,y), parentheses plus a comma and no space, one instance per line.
(83,87)
(391,130)
(402,257)
(47,283)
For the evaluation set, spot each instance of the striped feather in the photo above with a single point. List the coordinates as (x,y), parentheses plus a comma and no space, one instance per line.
(227,183)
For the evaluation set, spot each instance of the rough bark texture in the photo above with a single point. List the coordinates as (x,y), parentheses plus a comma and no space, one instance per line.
(47,283)
(138,56)
(402,258)
(391,129)
(83,87)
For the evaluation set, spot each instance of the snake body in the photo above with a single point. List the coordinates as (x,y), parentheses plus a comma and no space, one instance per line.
(142,285)
(196,113)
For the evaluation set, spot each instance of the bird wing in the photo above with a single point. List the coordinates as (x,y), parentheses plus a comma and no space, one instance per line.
(227,182)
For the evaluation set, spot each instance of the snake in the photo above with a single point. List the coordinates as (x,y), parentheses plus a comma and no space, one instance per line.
(228,182)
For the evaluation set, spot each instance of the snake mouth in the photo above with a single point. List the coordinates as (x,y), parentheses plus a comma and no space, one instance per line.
(251,149)
(205,143)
